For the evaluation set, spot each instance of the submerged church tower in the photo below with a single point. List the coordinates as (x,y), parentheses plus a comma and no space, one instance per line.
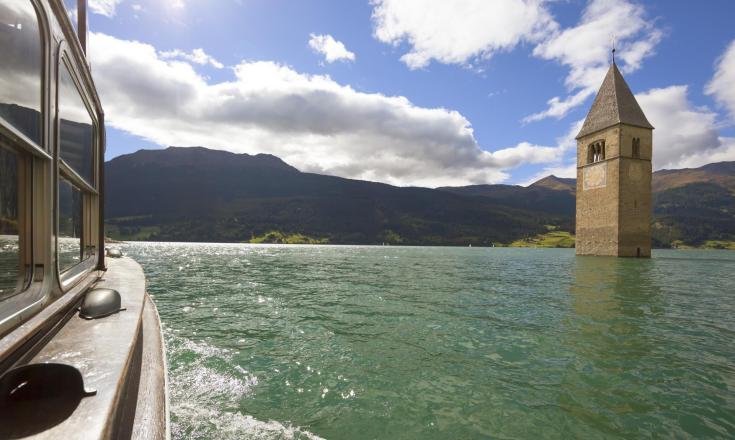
(614,152)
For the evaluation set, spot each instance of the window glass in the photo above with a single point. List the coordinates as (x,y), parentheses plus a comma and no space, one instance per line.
(77,134)
(9,224)
(20,67)
(71,11)
(70,225)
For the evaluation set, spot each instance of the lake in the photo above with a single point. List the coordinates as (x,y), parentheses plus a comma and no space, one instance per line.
(353,342)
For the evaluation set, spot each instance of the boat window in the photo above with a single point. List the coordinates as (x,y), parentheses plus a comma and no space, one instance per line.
(76,128)
(21,68)
(12,189)
(9,234)
(70,225)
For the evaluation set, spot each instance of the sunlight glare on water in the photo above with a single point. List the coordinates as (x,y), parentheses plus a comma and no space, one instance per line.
(352,342)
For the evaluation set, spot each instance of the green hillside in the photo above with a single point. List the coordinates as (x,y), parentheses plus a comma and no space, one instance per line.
(196,194)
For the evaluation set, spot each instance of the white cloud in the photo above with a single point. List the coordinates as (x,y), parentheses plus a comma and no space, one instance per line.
(319,125)
(724,153)
(466,31)
(104,7)
(525,153)
(332,49)
(585,50)
(456,32)
(559,107)
(685,135)
(565,164)
(722,85)
(197,56)
(310,121)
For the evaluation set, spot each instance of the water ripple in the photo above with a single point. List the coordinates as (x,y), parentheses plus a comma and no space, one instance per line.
(289,342)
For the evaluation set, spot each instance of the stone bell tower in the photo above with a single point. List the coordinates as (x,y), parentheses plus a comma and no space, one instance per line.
(614,152)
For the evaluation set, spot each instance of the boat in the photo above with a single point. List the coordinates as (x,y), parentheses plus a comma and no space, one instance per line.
(81,348)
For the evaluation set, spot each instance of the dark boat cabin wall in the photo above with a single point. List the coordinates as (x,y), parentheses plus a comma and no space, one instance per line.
(51,149)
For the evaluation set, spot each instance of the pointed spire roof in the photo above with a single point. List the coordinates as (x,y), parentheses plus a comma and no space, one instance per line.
(614,104)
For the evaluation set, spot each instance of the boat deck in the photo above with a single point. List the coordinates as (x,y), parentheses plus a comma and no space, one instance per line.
(119,356)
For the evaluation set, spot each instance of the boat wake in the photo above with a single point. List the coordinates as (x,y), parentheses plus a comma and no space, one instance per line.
(197,421)
(205,391)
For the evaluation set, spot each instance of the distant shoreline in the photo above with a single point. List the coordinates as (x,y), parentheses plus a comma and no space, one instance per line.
(681,248)
(265,200)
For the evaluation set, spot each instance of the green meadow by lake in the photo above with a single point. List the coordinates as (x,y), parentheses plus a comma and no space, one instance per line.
(349,342)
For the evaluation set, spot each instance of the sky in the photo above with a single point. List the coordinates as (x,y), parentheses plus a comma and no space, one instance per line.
(411,92)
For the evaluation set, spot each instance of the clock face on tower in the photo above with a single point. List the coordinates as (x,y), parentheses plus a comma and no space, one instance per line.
(594,176)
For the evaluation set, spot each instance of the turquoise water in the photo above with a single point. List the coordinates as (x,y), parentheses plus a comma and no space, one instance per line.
(274,342)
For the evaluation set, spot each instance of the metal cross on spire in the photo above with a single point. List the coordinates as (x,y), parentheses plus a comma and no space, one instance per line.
(613,49)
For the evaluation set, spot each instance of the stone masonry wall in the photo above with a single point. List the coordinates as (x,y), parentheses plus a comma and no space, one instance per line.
(597,206)
(614,200)
(635,194)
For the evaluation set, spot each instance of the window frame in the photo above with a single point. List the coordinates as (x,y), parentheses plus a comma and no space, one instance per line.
(592,151)
(636,148)
(68,171)
(69,277)
(82,224)
(18,307)
(9,130)
(17,138)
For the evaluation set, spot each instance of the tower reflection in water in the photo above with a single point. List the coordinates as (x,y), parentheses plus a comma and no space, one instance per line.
(613,344)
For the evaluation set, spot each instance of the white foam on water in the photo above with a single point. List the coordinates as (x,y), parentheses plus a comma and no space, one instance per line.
(196,380)
(177,344)
(202,422)
(203,384)
(197,390)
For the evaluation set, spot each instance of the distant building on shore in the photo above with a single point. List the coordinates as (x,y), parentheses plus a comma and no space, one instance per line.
(614,152)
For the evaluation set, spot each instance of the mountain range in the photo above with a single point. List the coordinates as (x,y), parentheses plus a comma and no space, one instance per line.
(199,194)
